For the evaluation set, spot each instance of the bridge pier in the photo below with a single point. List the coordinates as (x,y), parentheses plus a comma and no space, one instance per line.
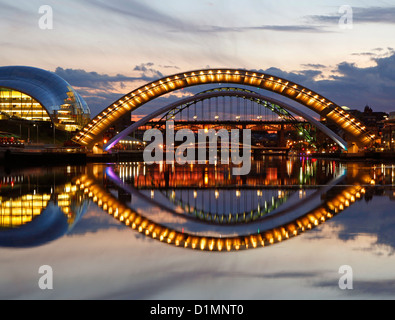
(352,147)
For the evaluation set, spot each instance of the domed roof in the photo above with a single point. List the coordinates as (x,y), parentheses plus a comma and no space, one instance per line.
(50,90)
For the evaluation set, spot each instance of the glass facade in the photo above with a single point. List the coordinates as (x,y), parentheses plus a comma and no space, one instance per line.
(18,105)
(38,95)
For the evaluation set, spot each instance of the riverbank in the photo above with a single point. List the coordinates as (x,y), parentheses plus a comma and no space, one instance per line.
(61,156)
(16,157)
(361,156)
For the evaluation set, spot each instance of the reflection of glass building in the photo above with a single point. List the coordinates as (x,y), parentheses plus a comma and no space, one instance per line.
(38,206)
(37,95)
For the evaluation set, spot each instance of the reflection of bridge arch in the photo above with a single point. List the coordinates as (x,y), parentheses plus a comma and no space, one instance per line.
(334,204)
(281,108)
(213,218)
(202,215)
(92,132)
(243,216)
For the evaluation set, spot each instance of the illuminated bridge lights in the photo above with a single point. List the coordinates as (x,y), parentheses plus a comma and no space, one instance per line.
(312,219)
(162,86)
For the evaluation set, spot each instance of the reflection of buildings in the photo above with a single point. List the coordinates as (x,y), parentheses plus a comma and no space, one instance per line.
(32,94)
(22,210)
(26,196)
(274,171)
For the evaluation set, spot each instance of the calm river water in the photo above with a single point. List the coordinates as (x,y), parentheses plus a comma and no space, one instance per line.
(133,231)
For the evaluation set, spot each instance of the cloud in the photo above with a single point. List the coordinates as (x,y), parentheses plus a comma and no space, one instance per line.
(314,66)
(281,28)
(370,54)
(374,288)
(148,72)
(350,84)
(360,15)
(85,79)
(100,90)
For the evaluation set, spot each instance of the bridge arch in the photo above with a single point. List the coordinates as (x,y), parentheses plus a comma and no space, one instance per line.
(92,132)
(218,93)
(268,103)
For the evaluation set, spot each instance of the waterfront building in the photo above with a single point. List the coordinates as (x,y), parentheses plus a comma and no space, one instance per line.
(36,95)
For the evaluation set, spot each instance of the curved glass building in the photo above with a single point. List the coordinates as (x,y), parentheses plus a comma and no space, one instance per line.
(38,95)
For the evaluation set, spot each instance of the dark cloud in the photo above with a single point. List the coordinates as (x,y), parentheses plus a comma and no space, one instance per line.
(85,79)
(352,86)
(148,72)
(314,66)
(361,219)
(100,90)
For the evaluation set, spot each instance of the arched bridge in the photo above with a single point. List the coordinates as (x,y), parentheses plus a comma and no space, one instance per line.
(278,107)
(92,132)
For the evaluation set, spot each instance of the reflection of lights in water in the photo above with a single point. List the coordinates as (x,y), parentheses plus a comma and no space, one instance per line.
(22,210)
(174,237)
(216,194)
(301,176)
(262,238)
(289,167)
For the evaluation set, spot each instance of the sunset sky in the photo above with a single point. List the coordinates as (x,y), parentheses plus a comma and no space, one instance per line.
(106,49)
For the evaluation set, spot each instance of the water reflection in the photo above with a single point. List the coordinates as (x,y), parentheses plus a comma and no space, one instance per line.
(39,205)
(194,206)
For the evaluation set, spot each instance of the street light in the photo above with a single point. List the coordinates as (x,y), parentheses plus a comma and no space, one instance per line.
(36,125)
